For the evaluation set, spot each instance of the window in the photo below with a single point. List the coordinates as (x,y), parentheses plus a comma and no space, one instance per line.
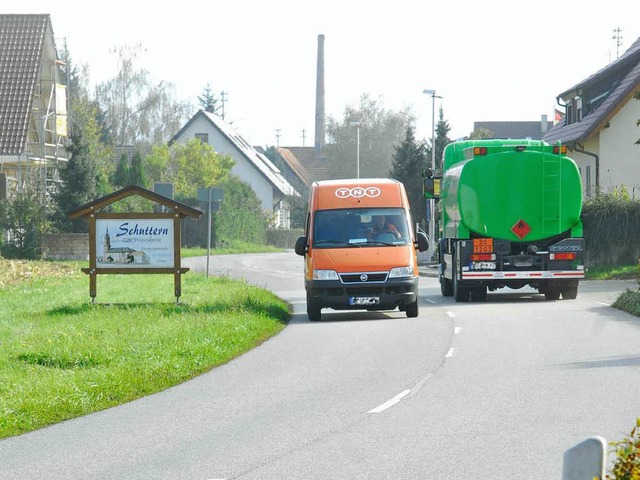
(203,137)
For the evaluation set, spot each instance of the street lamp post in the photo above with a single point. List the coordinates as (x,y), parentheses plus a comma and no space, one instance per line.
(433,168)
(357,125)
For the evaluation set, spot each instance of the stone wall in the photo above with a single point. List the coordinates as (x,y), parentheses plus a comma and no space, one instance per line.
(65,246)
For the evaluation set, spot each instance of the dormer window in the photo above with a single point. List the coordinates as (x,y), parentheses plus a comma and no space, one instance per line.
(203,137)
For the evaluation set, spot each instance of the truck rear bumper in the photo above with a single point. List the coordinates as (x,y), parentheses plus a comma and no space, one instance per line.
(523,275)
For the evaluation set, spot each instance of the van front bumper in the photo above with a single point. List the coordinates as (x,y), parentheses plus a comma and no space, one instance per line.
(341,296)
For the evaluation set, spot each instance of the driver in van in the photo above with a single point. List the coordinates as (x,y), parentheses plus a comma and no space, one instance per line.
(381,225)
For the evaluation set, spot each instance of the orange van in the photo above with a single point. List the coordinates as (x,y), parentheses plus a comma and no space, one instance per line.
(360,247)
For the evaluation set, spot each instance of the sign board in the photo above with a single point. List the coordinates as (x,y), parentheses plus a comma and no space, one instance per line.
(134,243)
(216,194)
(164,189)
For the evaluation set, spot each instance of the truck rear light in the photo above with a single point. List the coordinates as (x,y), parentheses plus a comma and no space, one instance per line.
(479,150)
(482,257)
(560,149)
(562,256)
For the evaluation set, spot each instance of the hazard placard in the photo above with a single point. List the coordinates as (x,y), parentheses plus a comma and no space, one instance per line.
(521,229)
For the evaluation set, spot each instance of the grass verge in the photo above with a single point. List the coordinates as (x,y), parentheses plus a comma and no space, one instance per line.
(62,357)
(628,301)
(235,247)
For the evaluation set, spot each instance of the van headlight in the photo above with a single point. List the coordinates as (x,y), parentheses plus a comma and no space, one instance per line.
(397,272)
(325,275)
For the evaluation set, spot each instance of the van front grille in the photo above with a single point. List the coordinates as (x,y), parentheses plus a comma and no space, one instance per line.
(364,277)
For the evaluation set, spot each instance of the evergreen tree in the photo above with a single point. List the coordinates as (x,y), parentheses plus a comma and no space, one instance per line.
(208,100)
(83,176)
(442,140)
(136,174)
(409,159)
(122,175)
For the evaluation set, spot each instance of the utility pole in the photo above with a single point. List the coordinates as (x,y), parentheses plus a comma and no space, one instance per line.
(304,136)
(617,36)
(277,137)
(223,98)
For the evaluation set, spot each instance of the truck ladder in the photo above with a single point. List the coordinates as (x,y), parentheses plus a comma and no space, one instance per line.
(551,185)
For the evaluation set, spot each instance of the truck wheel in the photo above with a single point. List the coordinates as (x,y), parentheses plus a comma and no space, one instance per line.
(460,294)
(446,286)
(570,293)
(479,294)
(313,309)
(552,294)
(412,309)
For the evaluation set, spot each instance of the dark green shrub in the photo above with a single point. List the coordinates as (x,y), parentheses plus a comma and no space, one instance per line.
(611,228)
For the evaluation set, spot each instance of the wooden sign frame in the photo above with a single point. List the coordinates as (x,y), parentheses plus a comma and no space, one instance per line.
(174,210)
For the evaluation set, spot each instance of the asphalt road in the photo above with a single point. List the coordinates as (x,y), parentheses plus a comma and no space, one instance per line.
(489,390)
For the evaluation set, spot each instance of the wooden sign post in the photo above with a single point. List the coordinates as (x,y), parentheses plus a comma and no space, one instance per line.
(134,243)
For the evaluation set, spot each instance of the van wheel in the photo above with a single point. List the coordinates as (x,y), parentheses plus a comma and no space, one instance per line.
(412,309)
(313,309)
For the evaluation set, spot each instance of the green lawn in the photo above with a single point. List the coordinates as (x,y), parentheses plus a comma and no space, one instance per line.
(62,356)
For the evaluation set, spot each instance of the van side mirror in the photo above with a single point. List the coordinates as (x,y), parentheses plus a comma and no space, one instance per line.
(423,241)
(301,245)
(431,187)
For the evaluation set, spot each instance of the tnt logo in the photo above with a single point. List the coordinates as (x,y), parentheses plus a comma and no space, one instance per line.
(358,192)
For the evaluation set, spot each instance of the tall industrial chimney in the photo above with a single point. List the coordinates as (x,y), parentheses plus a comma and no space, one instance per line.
(320,117)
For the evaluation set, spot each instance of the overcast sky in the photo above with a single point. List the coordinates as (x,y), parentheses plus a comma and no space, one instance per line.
(493,60)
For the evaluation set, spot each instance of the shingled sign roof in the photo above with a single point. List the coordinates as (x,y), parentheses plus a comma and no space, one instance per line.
(22,40)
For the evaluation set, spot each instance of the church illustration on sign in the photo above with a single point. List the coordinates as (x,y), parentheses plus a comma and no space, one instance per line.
(121,255)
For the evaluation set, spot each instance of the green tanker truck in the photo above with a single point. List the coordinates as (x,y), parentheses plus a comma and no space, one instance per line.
(508,216)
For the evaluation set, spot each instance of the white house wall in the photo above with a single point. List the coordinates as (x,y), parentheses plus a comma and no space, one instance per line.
(619,154)
(242,167)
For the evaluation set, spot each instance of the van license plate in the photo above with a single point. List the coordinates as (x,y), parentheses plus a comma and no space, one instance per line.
(364,300)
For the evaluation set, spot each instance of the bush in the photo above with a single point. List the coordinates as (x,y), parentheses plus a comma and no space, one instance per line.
(611,227)
(24,219)
(283,238)
(627,456)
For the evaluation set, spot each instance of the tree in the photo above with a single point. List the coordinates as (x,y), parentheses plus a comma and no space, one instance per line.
(190,165)
(122,175)
(85,175)
(409,160)
(442,140)
(136,171)
(137,111)
(380,130)
(480,133)
(240,216)
(24,218)
(208,101)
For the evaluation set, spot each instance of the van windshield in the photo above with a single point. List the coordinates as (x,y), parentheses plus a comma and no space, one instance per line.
(361,227)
